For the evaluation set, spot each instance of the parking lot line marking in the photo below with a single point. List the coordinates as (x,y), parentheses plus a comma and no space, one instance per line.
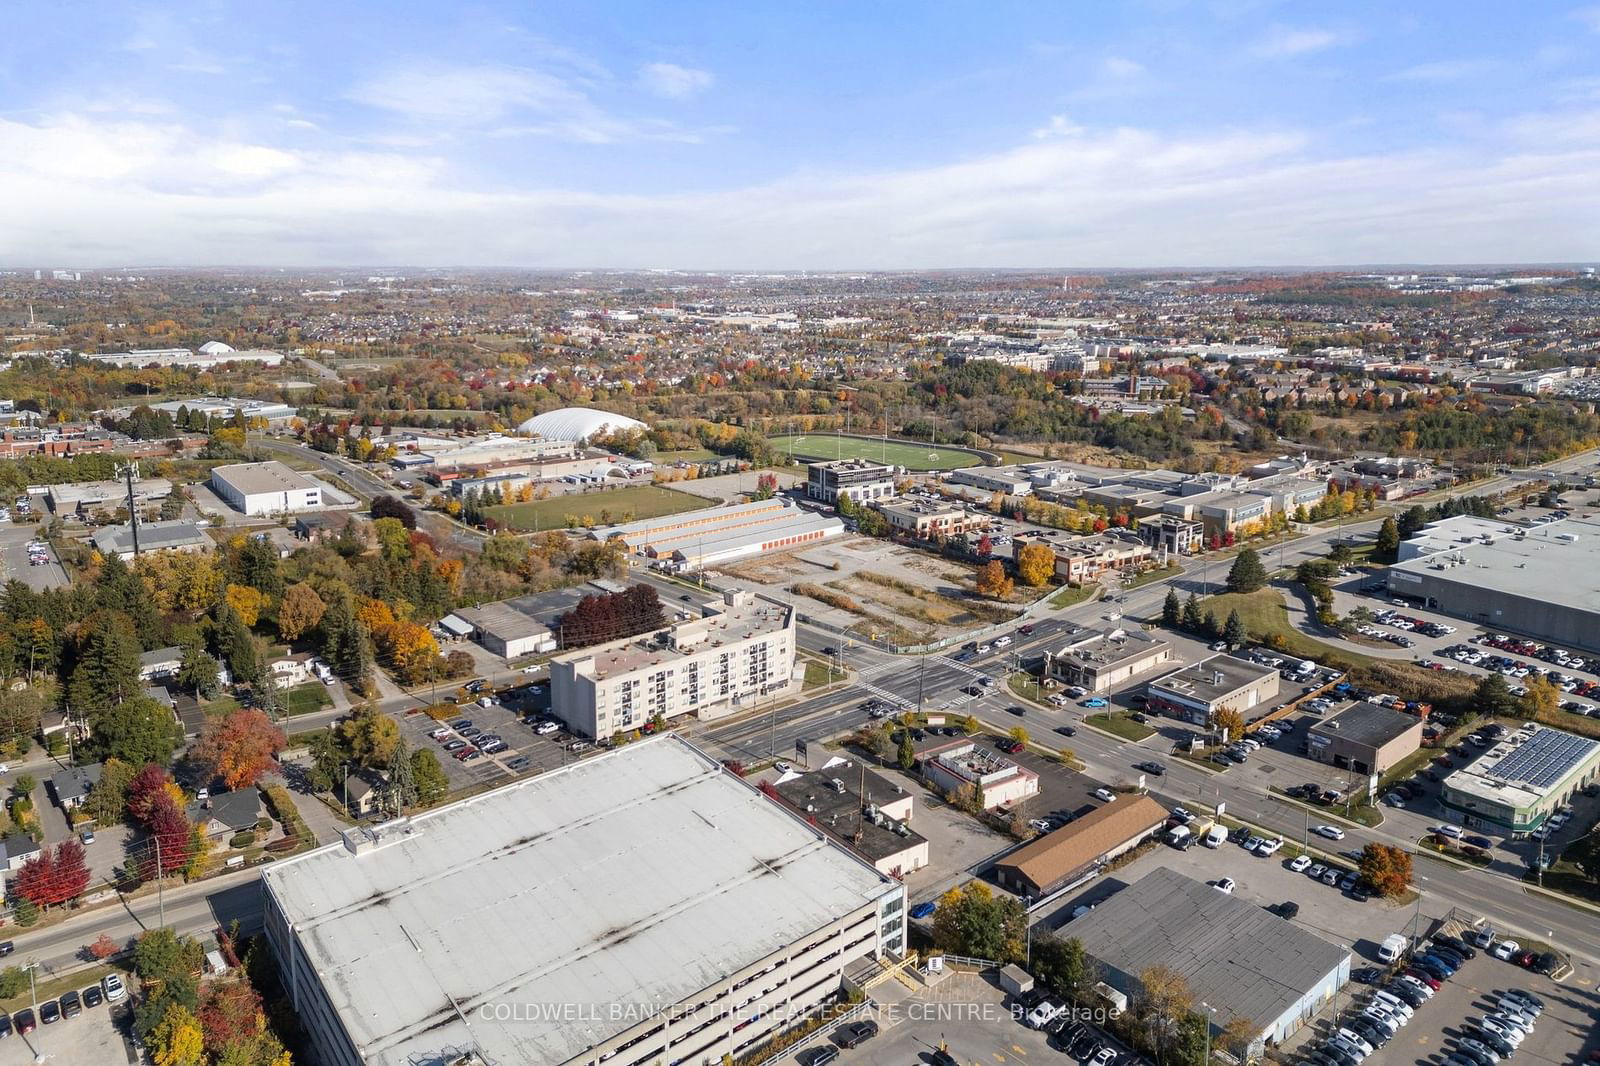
(1019,1051)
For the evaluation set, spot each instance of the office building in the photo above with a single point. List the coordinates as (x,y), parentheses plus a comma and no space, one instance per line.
(1101,661)
(639,907)
(861,811)
(857,479)
(1519,783)
(1006,479)
(1079,560)
(81,497)
(1522,581)
(1077,850)
(1196,693)
(924,519)
(265,488)
(1365,738)
(1236,956)
(740,653)
(964,766)
(1170,535)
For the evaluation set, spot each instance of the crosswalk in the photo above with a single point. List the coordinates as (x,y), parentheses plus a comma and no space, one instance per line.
(892,699)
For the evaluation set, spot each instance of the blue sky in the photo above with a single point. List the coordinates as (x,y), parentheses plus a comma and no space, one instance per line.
(819,135)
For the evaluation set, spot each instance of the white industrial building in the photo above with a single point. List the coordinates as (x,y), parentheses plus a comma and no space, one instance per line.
(740,653)
(207,356)
(501,629)
(643,906)
(715,535)
(265,488)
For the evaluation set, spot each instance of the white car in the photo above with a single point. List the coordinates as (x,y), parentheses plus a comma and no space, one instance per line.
(1268,848)
(1002,642)
(984,649)
(532,669)
(1225,885)
(1505,949)
(782,767)
(1104,795)
(115,990)
(1502,1027)
(1316,872)
(1332,832)
(1300,863)
(1451,831)
(545,728)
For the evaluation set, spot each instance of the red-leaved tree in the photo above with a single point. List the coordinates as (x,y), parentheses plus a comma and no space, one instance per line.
(171,828)
(147,789)
(54,876)
(240,747)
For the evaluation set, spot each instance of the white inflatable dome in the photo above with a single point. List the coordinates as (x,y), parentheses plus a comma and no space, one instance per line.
(215,348)
(577,423)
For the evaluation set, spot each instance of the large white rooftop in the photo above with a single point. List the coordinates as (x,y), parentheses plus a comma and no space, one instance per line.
(619,884)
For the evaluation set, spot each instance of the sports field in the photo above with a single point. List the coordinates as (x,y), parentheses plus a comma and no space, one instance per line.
(910,456)
(605,507)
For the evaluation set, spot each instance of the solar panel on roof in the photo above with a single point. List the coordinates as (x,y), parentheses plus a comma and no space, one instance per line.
(1544,759)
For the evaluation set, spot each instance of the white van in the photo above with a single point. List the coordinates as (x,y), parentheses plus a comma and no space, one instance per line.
(1215,836)
(1178,836)
(1393,946)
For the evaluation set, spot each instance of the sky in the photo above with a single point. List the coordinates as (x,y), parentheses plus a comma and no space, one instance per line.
(818,136)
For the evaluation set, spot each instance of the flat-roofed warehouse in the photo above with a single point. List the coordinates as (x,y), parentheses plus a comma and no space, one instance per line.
(1365,738)
(715,535)
(265,488)
(644,906)
(1236,957)
(1530,580)
(1068,854)
(1518,784)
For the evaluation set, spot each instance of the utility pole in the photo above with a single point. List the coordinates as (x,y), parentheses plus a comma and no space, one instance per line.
(161,895)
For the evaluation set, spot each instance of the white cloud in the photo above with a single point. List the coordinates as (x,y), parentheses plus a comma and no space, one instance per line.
(1121,67)
(1058,126)
(674,82)
(506,102)
(1283,42)
(90,190)
(1443,71)
(1589,16)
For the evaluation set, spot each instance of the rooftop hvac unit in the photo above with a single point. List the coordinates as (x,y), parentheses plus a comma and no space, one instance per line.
(837,786)
(1216,678)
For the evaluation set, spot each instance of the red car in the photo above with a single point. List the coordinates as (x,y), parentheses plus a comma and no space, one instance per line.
(1425,977)
(1026,630)
(1444,761)
(24,1021)
(464,752)
(1009,746)
(1525,959)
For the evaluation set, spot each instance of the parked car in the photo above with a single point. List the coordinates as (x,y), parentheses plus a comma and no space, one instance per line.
(858,1033)
(1104,795)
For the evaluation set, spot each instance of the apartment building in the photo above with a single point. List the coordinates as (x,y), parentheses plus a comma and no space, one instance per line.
(930,519)
(710,667)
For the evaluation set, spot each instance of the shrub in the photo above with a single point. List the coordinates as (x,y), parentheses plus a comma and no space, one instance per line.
(242,840)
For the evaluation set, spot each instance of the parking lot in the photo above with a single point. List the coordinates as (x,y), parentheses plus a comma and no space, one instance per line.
(1563,1033)
(99,1035)
(1332,914)
(18,561)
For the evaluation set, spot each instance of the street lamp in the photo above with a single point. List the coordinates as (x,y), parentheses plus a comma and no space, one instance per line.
(1416,915)
(1211,1012)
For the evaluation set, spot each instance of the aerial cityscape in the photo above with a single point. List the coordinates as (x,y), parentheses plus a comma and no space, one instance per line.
(823,537)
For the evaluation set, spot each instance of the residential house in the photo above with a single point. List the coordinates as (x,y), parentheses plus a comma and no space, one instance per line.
(16,849)
(71,786)
(226,813)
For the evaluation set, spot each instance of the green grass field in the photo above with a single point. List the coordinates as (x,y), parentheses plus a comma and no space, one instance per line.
(606,506)
(910,456)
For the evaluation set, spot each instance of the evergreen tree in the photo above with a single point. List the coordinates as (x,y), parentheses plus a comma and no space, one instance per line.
(237,644)
(907,753)
(1210,625)
(1247,573)
(402,782)
(107,667)
(198,672)
(1171,609)
(1233,630)
(1388,543)
(1191,613)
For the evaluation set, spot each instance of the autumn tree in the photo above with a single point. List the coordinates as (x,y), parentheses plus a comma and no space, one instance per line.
(176,1039)
(1387,543)
(1036,564)
(907,754)
(147,789)
(392,507)
(1231,720)
(53,876)
(972,920)
(1540,700)
(1386,868)
(246,601)
(300,611)
(1238,1035)
(992,580)
(171,843)
(239,747)
(107,801)
(1018,734)
(1164,999)
(370,736)
(103,947)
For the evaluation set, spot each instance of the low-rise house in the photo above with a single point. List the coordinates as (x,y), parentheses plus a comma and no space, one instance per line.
(363,793)
(16,849)
(71,786)
(160,664)
(226,813)
(290,671)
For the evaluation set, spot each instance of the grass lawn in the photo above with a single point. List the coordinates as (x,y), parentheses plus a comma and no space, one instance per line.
(1155,573)
(819,673)
(307,698)
(223,705)
(684,455)
(1072,595)
(1026,685)
(1264,615)
(910,456)
(608,505)
(1008,456)
(1119,724)
(1200,762)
